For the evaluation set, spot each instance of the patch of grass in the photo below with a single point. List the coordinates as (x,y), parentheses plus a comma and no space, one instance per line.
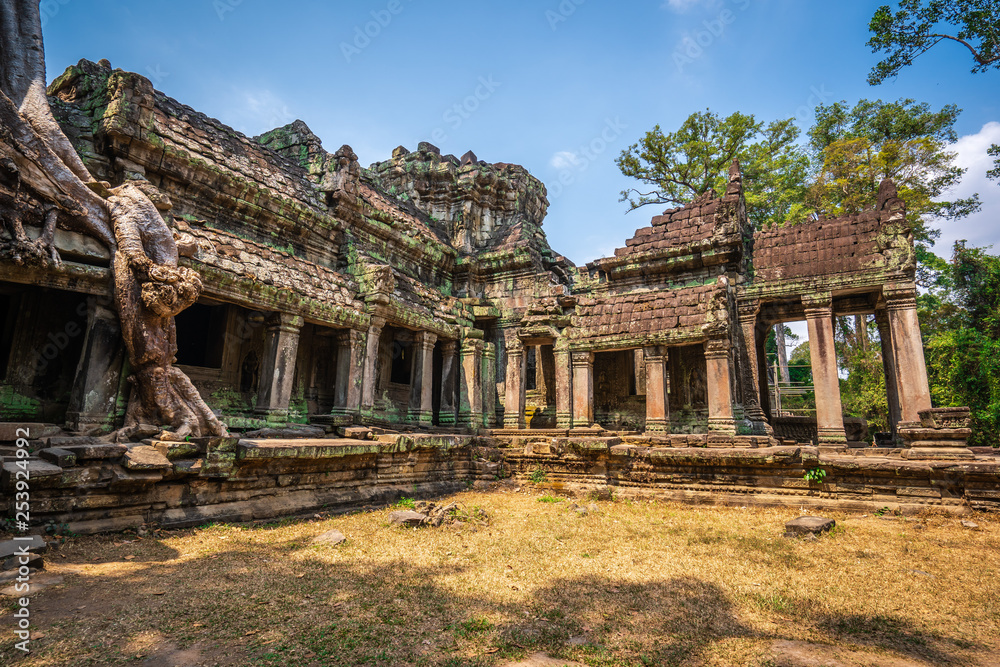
(470,627)
(637,583)
(405,503)
(550,499)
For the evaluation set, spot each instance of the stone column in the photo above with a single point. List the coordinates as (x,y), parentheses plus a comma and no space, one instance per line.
(350,373)
(281,346)
(754,381)
(657,407)
(371,363)
(583,389)
(826,381)
(94,398)
(446,417)
(718,362)
(422,388)
(564,387)
(489,375)
(908,351)
(470,406)
(889,366)
(513,410)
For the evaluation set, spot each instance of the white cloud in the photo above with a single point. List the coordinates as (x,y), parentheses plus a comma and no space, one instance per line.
(983,228)
(564,160)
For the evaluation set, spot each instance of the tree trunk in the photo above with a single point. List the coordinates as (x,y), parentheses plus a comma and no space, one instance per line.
(861,331)
(150,288)
(779,341)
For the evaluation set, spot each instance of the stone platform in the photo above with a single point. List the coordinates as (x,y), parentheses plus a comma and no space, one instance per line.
(93,486)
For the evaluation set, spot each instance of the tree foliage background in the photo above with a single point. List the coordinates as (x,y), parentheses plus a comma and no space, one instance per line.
(834,170)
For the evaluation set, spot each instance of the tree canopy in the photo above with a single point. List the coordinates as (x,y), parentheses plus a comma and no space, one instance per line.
(918,25)
(679,166)
(854,148)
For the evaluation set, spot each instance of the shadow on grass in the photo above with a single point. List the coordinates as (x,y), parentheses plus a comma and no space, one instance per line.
(283,606)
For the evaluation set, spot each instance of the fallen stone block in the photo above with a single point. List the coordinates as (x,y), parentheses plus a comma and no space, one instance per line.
(12,431)
(355,432)
(32,561)
(34,544)
(145,457)
(331,537)
(93,450)
(60,457)
(407,518)
(34,469)
(808,525)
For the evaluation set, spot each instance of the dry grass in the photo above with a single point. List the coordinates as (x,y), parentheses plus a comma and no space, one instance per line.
(632,584)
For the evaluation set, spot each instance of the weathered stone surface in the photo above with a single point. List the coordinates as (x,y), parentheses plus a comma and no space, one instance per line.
(12,431)
(35,544)
(407,518)
(286,433)
(93,451)
(61,457)
(145,457)
(32,561)
(804,525)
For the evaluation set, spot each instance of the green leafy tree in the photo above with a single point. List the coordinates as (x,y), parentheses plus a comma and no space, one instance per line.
(859,352)
(917,26)
(854,148)
(961,323)
(680,166)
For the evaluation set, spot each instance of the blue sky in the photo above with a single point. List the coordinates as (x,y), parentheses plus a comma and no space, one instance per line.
(559,87)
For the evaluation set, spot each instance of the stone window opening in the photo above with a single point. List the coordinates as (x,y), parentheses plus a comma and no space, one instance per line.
(201,332)
(531,368)
(401,370)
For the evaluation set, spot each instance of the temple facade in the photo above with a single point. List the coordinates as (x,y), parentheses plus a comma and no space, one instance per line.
(421,292)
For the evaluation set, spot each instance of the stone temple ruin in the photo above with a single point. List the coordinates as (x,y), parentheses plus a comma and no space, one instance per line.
(412,321)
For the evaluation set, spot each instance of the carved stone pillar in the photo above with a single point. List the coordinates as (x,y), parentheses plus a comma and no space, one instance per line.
(908,351)
(94,398)
(513,412)
(657,407)
(889,366)
(564,387)
(371,363)
(422,387)
(583,389)
(350,373)
(281,346)
(449,389)
(754,381)
(470,406)
(718,362)
(826,381)
(489,375)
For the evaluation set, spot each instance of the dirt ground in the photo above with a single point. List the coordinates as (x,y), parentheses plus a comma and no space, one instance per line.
(609,583)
